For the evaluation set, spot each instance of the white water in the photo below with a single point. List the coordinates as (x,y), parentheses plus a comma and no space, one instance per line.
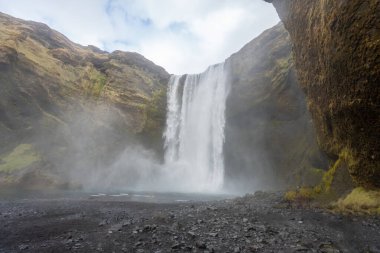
(194,133)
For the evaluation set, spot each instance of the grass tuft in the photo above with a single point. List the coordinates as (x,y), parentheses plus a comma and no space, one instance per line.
(21,157)
(360,200)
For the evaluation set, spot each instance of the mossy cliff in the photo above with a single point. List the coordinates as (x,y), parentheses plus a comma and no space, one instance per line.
(270,139)
(55,93)
(336,45)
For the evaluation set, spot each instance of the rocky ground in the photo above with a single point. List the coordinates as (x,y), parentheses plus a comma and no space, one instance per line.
(255,223)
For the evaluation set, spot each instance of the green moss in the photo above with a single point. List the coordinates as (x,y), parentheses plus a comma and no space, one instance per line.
(284,63)
(93,82)
(144,77)
(328,177)
(322,192)
(99,83)
(154,121)
(155,111)
(20,157)
(317,171)
(301,195)
(290,195)
(360,200)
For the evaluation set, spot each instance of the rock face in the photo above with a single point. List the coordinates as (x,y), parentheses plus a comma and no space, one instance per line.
(270,138)
(60,100)
(337,47)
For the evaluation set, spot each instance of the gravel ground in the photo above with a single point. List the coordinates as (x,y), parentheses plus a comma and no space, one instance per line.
(255,223)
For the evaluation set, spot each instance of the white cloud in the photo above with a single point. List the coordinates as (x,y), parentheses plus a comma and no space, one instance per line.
(182,36)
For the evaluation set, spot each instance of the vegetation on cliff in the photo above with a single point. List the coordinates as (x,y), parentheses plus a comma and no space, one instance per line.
(336,53)
(21,157)
(54,93)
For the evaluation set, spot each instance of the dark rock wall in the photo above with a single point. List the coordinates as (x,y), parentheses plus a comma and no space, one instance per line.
(336,44)
(270,138)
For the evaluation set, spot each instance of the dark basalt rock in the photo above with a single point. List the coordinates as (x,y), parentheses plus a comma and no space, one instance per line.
(336,45)
(270,139)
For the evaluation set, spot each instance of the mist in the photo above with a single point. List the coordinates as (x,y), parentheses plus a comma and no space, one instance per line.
(97,155)
(91,153)
(193,140)
(229,129)
(96,151)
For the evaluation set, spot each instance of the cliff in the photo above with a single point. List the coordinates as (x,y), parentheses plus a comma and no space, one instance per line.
(60,101)
(336,45)
(270,138)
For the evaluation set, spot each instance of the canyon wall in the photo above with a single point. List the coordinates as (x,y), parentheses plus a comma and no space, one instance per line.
(336,45)
(61,103)
(270,138)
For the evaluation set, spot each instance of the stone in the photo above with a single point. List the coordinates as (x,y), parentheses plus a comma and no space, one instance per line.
(23,247)
(338,69)
(201,245)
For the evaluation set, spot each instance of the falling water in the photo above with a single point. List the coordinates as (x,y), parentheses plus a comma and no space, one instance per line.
(194,133)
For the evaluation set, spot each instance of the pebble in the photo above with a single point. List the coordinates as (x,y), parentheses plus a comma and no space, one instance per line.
(192,234)
(102,223)
(23,247)
(137,244)
(237,226)
(201,245)
(176,246)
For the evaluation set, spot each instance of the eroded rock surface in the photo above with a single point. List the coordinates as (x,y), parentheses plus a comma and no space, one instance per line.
(270,138)
(68,103)
(337,46)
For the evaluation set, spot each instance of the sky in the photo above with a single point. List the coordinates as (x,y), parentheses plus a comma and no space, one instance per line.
(183,36)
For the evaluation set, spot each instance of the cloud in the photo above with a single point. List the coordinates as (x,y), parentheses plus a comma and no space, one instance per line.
(180,35)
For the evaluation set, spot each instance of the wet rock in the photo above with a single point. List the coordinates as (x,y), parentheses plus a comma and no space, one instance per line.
(301,249)
(188,248)
(102,223)
(126,223)
(137,244)
(77,245)
(331,94)
(148,228)
(23,247)
(68,241)
(176,246)
(191,233)
(201,245)
(224,232)
(374,249)
(328,248)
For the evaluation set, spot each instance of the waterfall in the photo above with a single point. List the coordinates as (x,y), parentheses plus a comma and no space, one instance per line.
(194,134)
